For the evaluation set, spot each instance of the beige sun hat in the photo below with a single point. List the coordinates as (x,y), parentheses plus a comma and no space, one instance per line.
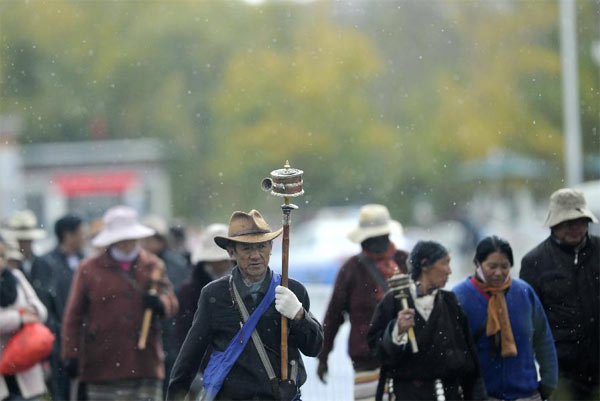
(248,227)
(120,224)
(374,220)
(157,223)
(207,250)
(567,204)
(23,225)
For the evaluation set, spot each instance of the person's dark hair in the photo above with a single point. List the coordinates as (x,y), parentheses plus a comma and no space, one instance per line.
(425,253)
(490,245)
(68,223)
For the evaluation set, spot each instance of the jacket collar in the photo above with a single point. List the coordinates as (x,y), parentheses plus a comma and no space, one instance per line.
(570,248)
(243,288)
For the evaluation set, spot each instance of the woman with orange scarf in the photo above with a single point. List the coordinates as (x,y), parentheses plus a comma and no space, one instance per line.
(509,327)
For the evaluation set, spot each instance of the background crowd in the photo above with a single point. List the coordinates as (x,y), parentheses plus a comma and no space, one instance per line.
(493,336)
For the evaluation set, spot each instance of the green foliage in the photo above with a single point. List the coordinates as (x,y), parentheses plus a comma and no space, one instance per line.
(376,101)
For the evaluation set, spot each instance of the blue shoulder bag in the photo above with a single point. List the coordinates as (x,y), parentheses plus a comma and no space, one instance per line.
(220,363)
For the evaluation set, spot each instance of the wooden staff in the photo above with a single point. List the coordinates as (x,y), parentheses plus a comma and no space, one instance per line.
(155,277)
(286,183)
(285,245)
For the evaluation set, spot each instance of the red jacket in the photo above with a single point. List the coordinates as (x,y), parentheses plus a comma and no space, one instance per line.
(354,293)
(103,320)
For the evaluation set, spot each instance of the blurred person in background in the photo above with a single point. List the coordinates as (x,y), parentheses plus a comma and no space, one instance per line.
(178,239)
(19,305)
(360,284)
(14,257)
(564,271)
(93,229)
(446,357)
(211,262)
(103,318)
(22,226)
(235,370)
(56,270)
(509,327)
(178,270)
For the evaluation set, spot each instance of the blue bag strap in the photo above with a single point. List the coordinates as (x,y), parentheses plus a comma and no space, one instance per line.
(220,365)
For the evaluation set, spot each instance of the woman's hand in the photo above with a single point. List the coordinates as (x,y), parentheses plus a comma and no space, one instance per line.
(29,315)
(406,319)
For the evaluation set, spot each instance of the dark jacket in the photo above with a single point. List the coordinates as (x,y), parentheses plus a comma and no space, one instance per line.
(355,294)
(188,296)
(216,322)
(567,281)
(53,283)
(103,320)
(446,350)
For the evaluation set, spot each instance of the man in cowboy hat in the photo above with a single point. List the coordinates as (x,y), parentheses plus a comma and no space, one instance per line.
(564,270)
(359,286)
(104,313)
(218,321)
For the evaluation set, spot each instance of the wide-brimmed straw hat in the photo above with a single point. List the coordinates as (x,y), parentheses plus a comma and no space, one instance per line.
(373,221)
(120,224)
(567,204)
(207,250)
(248,227)
(23,225)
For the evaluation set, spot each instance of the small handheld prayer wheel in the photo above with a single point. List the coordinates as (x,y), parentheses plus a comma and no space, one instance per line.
(399,285)
(284,182)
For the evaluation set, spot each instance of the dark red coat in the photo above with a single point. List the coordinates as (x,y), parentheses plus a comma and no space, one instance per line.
(103,320)
(354,293)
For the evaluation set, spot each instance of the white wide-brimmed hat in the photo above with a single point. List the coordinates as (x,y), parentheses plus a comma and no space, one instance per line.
(23,225)
(374,220)
(120,224)
(567,204)
(207,250)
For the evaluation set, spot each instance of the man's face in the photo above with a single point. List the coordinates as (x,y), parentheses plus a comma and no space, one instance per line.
(75,239)
(571,232)
(252,259)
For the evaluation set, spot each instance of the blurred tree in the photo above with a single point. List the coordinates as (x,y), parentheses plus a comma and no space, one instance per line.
(377,101)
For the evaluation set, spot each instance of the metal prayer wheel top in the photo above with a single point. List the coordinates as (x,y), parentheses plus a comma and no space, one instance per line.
(399,284)
(284,182)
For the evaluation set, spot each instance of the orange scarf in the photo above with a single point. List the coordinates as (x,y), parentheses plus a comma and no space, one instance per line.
(498,320)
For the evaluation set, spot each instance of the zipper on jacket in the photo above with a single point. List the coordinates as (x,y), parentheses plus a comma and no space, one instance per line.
(576,257)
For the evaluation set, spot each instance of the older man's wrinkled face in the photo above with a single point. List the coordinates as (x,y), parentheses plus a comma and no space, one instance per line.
(571,232)
(252,259)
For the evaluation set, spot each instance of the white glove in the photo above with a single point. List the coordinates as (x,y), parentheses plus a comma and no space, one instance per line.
(286,302)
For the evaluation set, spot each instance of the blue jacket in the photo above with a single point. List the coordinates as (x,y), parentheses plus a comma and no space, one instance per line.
(512,377)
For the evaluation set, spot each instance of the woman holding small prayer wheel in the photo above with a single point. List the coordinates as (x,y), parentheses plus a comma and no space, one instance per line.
(445,366)
(509,327)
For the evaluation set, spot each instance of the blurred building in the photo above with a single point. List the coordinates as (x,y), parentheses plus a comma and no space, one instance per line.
(87,177)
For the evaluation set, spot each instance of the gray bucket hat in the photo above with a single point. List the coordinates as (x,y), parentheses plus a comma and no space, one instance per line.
(567,204)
